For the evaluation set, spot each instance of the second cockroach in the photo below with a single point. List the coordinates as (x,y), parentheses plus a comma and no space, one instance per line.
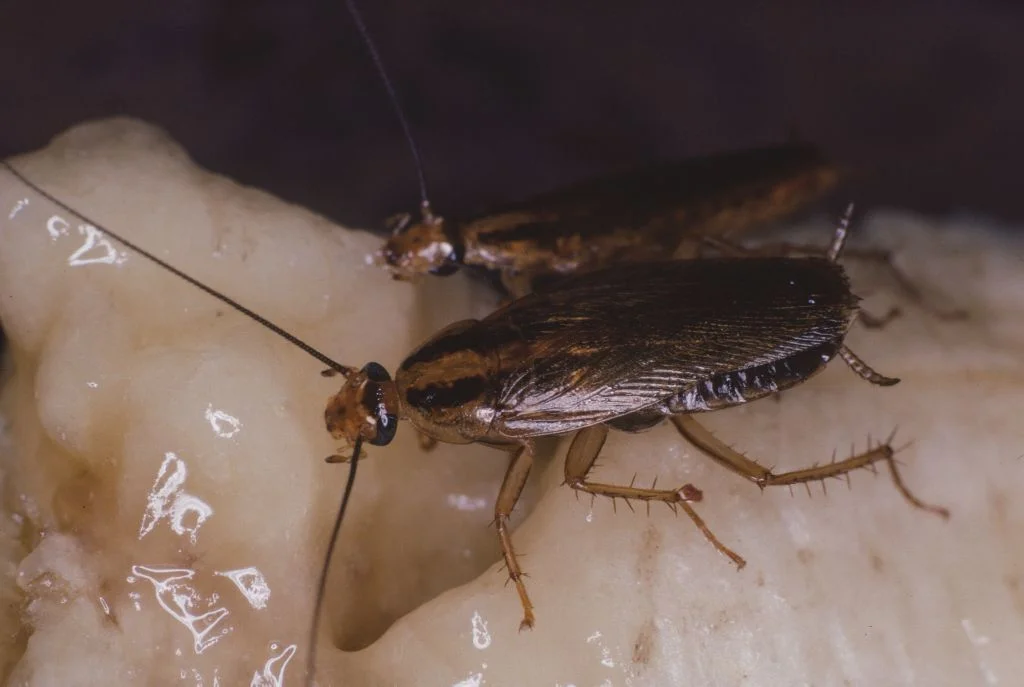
(679,209)
(661,211)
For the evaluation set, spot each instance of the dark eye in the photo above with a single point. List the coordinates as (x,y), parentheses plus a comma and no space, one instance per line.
(375,372)
(455,252)
(387,424)
(375,401)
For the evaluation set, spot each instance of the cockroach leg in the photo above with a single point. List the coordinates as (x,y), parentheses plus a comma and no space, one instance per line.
(579,461)
(330,372)
(426,442)
(724,455)
(901,487)
(878,321)
(508,495)
(515,284)
(339,458)
(709,535)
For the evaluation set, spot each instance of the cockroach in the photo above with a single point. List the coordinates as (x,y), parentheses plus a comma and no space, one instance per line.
(681,209)
(663,210)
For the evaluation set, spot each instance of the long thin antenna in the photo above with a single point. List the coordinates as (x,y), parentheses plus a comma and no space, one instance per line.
(393,97)
(191,280)
(322,584)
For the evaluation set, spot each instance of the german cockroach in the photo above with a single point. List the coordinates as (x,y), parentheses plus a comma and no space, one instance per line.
(623,348)
(661,211)
(681,209)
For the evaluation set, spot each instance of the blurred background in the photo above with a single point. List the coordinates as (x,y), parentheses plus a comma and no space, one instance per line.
(511,98)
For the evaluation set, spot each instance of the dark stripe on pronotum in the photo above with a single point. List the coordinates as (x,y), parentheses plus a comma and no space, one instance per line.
(448,395)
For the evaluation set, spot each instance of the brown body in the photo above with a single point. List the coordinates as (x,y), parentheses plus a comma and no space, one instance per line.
(628,346)
(669,210)
(659,212)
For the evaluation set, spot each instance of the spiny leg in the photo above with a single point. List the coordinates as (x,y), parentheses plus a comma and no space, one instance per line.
(516,285)
(873,321)
(508,495)
(735,461)
(339,458)
(583,451)
(426,442)
(328,373)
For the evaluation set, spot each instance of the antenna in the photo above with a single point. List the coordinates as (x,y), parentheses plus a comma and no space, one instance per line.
(233,304)
(322,582)
(395,104)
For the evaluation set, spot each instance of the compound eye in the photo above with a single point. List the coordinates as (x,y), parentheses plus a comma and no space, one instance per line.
(454,251)
(387,425)
(375,401)
(375,372)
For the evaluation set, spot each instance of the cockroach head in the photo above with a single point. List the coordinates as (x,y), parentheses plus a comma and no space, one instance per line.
(366,407)
(419,248)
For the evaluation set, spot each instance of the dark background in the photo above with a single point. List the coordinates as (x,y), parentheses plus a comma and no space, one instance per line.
(509,97)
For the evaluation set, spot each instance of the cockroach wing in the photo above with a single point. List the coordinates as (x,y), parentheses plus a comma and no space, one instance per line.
(598,205)
(618,340)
